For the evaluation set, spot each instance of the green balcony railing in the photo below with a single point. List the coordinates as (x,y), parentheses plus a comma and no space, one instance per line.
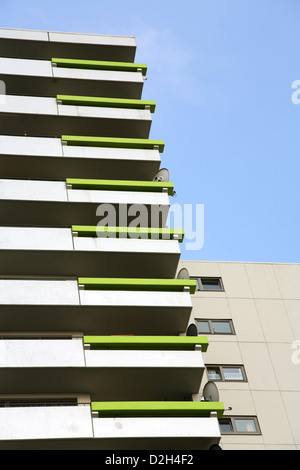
(168,343)
(129,284)
(106,102)
(157,409)
(113,142)
(100,65)
(128,232)
(120,185)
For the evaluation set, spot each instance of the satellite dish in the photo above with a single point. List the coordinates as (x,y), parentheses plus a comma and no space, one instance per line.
(192,330)
(162,175)
(210,392)
(183,274)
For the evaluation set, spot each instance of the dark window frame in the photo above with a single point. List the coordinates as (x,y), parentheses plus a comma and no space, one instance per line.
(211,328)
(231,420)
(220,367)
(201,287)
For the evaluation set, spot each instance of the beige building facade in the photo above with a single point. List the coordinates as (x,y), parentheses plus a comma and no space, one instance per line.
(251,315)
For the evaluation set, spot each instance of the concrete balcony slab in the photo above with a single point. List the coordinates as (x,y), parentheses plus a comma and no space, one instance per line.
(43,117)
(33,44)
(57,252)
(47,158)
(52,203)
(59,305)
(42,78)
(62,366)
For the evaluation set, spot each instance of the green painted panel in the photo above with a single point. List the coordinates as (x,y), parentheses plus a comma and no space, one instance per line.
(106,102)
(128,232)
(99,65)
(120,185)
(147,342)
(157,408)
(115,142)
(166,285)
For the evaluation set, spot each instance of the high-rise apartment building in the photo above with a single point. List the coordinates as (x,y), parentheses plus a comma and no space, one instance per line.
(93,318)
(105,341)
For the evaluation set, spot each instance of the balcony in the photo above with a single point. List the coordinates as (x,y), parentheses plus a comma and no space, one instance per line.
(29,44)
(89,141)
(46,117)
(89,251)
(163,304)
(57,203)
(107,367)
(99,65)
(161,343)
(112,426)
(126,284)
(159,409)
(47,158)
(100,102)
(45,427)
(48,78)
(116,185)
(101,306)
(158,425)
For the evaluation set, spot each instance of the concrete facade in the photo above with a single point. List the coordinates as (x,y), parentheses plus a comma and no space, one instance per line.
(263,302)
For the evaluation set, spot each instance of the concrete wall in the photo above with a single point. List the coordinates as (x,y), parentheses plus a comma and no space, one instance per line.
(263,301)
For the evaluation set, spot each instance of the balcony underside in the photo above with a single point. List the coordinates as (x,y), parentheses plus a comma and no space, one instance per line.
(62,214)
(62,167)
(43,125)
(45,45)
(91,320)
(138,443)
(103,384)
(89,263)
(51,86)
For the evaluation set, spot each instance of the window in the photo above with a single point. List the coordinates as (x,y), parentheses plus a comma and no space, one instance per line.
(221,327)
(209,283)
(226,373)
(218,327)
(203,326)
(233,373)
(225,425)
(239,425)
(244,425)
(214,373)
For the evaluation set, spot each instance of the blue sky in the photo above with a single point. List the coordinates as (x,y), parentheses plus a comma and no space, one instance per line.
(221,73)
